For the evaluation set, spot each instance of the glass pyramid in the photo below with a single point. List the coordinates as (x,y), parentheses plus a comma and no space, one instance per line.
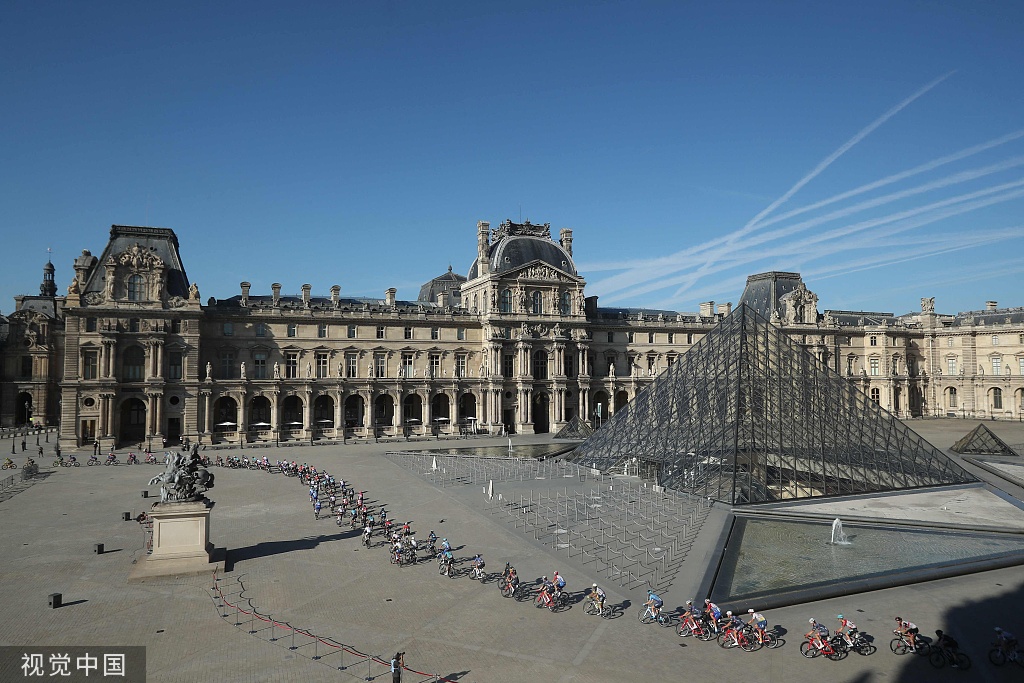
(981,440)
(575,428)
(747,416)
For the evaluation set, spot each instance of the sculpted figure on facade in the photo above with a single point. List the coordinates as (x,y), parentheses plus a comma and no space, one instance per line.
(241,370)
(209,370)
(277,370)
(928,305)
(73,288)
(193,292)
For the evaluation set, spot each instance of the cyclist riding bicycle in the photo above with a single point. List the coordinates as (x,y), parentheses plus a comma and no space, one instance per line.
(909,630)
(431,537)
(946,642)
(847,628)
(1006,643)
(713,613)
(817,635)
(733,627)
(654,602)
(478,562)
(597,594)
(513,579)
(559,583)
(758,623)
(547,590)
(445,545)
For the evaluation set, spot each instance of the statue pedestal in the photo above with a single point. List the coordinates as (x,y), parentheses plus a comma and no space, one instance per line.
(181,545)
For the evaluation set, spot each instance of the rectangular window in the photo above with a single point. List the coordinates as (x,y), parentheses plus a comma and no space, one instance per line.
(629,337)
(460,365)
(997,366)
(259,365)
(227,365)
(261,329)
(435,333)
(460,334)
(229,329)
(611,337)
(351,331)
(321,365)
(651,365)
(133,325)
(671,338)
(567,362)
(875,366)
(175,361)
(507,365)
(90,324)
(175,326)
(406,369)
(873,341)
(995,340)
(650,337)
(671,361)
(90,365)
(321,331)
(351,364)
(380,331)
(689,337)
(380,362)
(293,329)
(1020,362)
(951,366)
(291,365)
(949,342)
(408,333)
(435,365)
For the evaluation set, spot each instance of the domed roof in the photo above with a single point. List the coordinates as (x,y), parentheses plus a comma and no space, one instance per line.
(448,282)
(513,252)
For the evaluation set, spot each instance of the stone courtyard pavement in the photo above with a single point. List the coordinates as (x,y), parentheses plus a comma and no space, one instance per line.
(318,578)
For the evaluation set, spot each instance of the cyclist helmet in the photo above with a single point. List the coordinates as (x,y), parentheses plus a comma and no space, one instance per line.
(899,618)
(650,592)
(938,632)
(728,613)
(811,620)
(444,539)
(595,586)
(998,630)
(689,602)
(839,616)
(750,611)
(707,601)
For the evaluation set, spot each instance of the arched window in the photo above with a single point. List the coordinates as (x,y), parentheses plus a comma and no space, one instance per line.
(563,305)
(997,399)
(538,303)
(951,397)
(505,305)
(133,363)
(135,286)
(876,395)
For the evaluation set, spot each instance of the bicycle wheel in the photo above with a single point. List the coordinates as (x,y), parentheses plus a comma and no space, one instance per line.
(865,649)
(606,613)
(836,655)
(808,650)
(725,640)
(937,659)
(963,662)
(684,630)
(749,643)
(899,646)
(772,641)
(996,656)
(78,464)
(590,608)
(705,634)
(506,591)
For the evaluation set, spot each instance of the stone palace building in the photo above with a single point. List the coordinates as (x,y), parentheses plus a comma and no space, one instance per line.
(132,354)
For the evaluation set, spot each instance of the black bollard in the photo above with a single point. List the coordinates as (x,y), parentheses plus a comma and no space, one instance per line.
(145,494)
(55,600)
(126,516)
(98,548)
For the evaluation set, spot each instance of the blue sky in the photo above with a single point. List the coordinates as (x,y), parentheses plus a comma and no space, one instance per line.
(876,147)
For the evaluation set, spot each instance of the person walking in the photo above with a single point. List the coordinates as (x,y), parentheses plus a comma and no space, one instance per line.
(96,447)
(22,444)
(397,664)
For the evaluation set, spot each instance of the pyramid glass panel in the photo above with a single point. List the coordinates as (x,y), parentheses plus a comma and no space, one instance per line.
(575,428)
(747,416)
(982,441)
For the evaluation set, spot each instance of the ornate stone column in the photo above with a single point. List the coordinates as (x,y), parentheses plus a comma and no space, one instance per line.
(207,411)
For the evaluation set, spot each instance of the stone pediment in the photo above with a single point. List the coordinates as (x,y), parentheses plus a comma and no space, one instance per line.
(538,270)
(138,257)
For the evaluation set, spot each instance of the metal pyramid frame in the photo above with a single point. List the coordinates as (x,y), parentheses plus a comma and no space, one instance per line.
(575,428)
(982,441)
(747,416)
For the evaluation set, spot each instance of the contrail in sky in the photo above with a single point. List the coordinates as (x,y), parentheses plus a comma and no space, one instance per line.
(824,164)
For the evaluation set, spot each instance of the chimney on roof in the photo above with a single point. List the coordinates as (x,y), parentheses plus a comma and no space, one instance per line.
(565,239)
(245,293)
(707,309)
(276,289)
(389,296)
(990,305)
(483,248)
(726,308)
(306,289)
(335,292)
(442,299)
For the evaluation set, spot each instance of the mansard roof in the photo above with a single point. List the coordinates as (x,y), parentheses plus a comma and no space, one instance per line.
(764,290)
(517,244)
(160,242)
(447,282)
(321,303)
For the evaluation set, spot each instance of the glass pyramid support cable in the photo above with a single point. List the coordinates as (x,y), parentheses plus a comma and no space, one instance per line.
(747,416)
(982,441)
(575,428)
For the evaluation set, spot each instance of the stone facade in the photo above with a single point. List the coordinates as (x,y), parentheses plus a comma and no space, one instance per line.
(132,355)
